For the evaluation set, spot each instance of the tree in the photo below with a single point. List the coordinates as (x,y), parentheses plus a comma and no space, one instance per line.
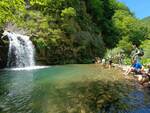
(11,11)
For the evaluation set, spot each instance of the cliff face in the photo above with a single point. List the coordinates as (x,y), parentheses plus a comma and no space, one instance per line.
(3,56)
(3,51)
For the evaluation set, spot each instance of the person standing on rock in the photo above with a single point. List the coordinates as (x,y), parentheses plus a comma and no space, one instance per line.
(135,54)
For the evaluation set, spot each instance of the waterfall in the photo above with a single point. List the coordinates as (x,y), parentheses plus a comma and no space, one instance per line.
(21,51)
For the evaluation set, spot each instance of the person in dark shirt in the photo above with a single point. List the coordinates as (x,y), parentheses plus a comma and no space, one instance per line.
(110,62)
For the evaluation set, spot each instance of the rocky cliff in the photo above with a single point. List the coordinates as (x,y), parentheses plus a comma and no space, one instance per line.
(3,51)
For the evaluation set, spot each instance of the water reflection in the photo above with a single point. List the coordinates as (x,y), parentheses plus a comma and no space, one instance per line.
(139,101)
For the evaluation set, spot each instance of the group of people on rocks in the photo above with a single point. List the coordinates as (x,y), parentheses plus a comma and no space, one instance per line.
(103,61)
(142,74)
(109,62)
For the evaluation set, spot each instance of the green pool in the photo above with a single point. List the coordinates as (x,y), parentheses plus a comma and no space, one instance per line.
(67,89)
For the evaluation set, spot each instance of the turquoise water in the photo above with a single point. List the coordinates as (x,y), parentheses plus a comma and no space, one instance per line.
(47,90)
(20,89)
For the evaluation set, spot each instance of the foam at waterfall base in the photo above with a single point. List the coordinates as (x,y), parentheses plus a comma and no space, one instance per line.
(27,68)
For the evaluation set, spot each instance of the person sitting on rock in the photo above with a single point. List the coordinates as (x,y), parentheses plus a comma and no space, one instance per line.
(136,67)
(110,63)
(97,60)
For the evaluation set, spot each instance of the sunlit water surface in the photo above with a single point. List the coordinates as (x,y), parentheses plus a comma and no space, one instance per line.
(35,90)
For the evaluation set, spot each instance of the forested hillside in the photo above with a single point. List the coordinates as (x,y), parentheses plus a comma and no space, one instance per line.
(146,20)
(73,31)
(146,43)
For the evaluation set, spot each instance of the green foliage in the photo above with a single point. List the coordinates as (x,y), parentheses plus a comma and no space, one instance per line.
(122,20)
(40,42)
(125,44)
(146,20)
(127,61)
(146,46)
(69,12)
(112,53)
(145,61)
(102,12)
(116,55)
(40,2)
(11,11)
(95,6)
(138,33)
(132,31)
(75,31)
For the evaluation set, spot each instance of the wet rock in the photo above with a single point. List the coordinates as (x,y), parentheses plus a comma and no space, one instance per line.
(3,50)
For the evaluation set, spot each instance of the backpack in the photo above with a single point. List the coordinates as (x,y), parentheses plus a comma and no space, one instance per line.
(141,53)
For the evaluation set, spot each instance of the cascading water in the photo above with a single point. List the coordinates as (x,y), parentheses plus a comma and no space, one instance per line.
(21,51)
